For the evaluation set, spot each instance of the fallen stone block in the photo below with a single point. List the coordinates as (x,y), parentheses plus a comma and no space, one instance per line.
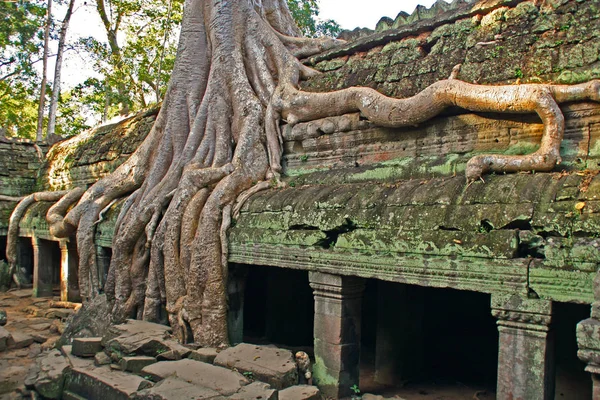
(103,383)
(4,337)
(34,350)
(222,380)
(21,293)
(136,364)
(256,390)
(173,388)
(39,337)
(205,354)
(101,358)
(171,355)
(75,361)
(142,338)
(276,367)
(87,347)
(300,392)
(19,340)
(40,327)
(49,375)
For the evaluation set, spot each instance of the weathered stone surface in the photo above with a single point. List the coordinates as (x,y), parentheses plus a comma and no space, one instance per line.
(273,366)
(39,337)
(524,341)
(174,388)
(86,347)
(4,338)
(256,390)
(19,340)
(40,327)
(74,361)
(204,354)
(222,380)
(101,358)
(49,376)
(136,364)
(300,392)
(142,338)
(71,396)
(103,383)
(171,355)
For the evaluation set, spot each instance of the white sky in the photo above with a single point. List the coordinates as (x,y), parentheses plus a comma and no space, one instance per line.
(348,13)
(365,13)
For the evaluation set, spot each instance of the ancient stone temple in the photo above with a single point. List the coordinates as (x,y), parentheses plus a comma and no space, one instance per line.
(378,253)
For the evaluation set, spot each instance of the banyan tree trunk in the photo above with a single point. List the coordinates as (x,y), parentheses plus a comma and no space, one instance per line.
(218,136)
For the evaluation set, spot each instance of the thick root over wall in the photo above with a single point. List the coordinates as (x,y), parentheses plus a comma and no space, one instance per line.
(218,139)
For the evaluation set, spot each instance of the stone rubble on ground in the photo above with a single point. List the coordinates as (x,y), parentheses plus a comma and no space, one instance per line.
(141,360)
(271,365)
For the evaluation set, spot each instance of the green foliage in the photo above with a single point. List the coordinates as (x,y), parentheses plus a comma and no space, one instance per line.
(355,392)
(305,13)
(20,44)
(137,65)
(518,73)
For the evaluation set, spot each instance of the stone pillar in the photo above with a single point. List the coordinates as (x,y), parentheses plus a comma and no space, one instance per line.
(42,267)
(103,256)
(399,344)
(336,332)
(236,288)
(69,281)
(588,340)
(526,348)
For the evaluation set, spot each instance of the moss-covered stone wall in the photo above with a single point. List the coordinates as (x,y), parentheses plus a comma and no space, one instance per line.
(495,41)
(393,204)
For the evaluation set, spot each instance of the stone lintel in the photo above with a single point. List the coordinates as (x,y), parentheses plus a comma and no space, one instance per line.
(526,347)
(338,302)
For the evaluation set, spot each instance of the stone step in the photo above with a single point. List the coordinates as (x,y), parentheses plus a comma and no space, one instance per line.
(300,392)
(174,388)
(87,347)
(222,380)
(103,383)
(266,364)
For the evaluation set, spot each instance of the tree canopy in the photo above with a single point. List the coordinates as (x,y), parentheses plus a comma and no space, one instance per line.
(133,59)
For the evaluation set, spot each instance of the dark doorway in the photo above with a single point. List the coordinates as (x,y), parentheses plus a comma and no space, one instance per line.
(572,382)
(278,307)
(424,339)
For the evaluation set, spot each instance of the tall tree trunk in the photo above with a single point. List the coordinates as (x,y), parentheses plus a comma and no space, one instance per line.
(58,69)
(166,24)
(40,123)
(217,139)
(112,29)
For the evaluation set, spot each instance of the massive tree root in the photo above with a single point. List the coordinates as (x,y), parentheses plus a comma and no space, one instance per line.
(217,138)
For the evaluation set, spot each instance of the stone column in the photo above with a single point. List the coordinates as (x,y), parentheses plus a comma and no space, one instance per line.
(337,332)
(588,340)
(526,348)
(103,256)
(69,282)
(42,267)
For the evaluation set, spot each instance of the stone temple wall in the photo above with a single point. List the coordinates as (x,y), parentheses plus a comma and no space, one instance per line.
(365,202)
